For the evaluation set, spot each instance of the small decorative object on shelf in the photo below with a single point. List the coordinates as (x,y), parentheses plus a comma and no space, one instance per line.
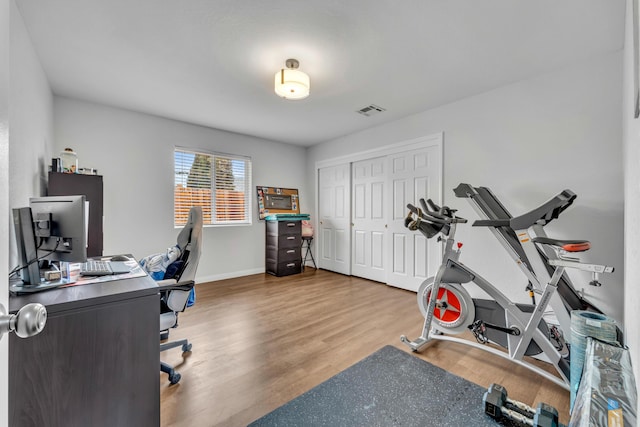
(69,160)
(88,171)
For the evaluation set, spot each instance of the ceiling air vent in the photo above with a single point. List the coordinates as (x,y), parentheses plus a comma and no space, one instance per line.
(370,110)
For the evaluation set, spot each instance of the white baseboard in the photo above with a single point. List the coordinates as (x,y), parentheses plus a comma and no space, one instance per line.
(215,277)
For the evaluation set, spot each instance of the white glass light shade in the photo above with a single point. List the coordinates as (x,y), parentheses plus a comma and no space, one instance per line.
(292,84)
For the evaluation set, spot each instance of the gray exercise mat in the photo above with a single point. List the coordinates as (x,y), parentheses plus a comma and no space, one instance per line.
(388,388)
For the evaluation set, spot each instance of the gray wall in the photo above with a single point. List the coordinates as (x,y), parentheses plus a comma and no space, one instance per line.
(5,12)
(527,142)
(31,112)
(31,126)
(134,153)
(632,201)
(26,137)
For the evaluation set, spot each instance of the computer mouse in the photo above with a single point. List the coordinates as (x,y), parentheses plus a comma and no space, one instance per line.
(120,258)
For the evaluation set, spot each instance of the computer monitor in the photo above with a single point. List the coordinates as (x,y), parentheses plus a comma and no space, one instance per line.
(60,227)
(27,246)
(52,228)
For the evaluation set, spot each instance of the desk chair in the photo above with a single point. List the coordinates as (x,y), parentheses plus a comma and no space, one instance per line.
(177,285)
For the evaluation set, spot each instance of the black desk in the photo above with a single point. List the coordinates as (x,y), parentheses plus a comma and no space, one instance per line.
(96,361)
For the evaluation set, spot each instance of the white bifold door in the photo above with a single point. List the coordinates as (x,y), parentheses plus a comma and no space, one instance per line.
(362,207)
(368,219)
(411,256)
(334,223)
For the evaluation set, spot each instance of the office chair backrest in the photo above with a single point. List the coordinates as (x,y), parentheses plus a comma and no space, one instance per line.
(190,243)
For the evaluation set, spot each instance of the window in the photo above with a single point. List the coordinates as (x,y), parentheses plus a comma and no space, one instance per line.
(219,183)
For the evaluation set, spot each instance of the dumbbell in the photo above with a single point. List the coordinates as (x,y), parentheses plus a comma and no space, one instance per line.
(498,405)
(546,416)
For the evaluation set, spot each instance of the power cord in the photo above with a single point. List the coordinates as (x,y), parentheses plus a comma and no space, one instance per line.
(37,259)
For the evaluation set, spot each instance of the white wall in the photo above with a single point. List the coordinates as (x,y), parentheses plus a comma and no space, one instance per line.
(5,12)
(31,114)
(26,130)
(134,153)
(632,202)
(527,142)
(31,122)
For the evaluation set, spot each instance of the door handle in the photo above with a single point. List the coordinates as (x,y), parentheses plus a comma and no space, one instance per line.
(27,322)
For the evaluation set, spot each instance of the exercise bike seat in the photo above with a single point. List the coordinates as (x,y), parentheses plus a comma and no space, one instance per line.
(566,245)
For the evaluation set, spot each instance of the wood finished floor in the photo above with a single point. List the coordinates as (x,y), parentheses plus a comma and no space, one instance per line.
(259,341)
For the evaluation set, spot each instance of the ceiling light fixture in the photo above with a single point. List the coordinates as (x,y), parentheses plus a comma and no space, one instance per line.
(291,83)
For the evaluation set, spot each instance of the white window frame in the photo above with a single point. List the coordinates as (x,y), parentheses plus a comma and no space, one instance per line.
(210,218)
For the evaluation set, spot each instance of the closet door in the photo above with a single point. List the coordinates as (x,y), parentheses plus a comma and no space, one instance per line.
(411,257)
(334,238)
(368,230)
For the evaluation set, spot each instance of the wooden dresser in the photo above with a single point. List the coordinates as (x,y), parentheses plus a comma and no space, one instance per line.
(283,247)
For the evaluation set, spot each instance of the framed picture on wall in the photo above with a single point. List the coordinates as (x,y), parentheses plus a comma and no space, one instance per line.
(275,200)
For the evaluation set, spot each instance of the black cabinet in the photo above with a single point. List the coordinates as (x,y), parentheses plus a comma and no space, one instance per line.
(69,184)
(96,361)
(283,247)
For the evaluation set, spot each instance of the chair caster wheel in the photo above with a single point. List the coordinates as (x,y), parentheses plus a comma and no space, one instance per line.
(174,378)
(186,347)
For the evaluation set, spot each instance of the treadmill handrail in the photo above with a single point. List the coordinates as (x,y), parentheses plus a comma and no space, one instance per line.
(464,190)
(546,213)
(492,223)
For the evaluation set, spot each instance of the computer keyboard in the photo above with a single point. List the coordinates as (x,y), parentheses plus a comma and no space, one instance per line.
(95,268)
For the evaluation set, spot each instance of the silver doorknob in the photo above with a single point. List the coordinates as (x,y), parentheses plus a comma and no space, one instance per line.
(27,322)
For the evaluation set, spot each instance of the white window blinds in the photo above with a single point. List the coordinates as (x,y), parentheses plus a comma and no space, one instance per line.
(219,183)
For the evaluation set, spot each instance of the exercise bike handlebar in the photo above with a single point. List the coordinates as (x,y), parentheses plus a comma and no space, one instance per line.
(435,217)
(431,222)
(432,205)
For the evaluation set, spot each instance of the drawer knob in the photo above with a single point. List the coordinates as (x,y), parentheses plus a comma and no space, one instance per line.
(291,238)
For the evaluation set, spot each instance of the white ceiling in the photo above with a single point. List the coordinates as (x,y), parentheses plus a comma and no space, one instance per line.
(213,62)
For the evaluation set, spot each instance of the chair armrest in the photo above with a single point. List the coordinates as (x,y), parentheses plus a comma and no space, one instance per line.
(176,295)
(166,282)
(172,285)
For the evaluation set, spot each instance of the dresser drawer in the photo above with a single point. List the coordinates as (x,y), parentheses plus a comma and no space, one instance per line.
(289,254)
(284,268)
(284,241)
(285,254)
(284,227)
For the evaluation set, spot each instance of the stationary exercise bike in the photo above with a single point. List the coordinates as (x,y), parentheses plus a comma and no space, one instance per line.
(519,328)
